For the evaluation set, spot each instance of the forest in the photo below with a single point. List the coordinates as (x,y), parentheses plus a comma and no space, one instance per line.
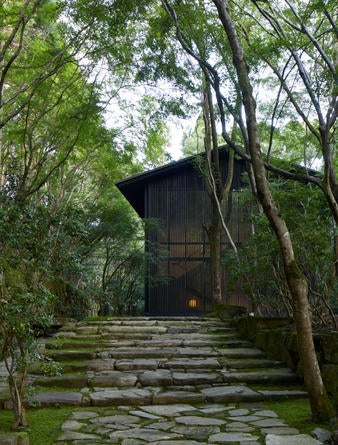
(88,93)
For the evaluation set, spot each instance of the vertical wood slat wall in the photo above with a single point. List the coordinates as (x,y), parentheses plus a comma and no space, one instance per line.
(179,283)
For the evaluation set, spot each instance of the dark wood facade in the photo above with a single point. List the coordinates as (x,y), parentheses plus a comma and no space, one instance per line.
(178,283)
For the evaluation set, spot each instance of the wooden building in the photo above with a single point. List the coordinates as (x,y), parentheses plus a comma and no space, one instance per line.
(174,194)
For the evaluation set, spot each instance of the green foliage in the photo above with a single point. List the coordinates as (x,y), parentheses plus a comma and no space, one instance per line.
(50,367)
(120,252)
(261,268)
(62,226)
(24,310)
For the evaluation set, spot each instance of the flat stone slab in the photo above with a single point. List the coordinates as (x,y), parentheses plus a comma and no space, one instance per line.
(168,410)
(202,342)
(284,375)
(240,352)
(197,432)
(134,329)
(114,378)
(298,439)
(117,419)
(72,425)
(101,365)
(228,394)
(282,394)
(191,363)
(130,365)
(147,434)
(280,431)
(145,415)
(176,442)
(198,420)
(169,397)
(73,435)
(84,415)
(195,352)
(135,353)
(190,378)
(267,423)
(252,363)
(161,377)
(232,438)
(122,397)
(59,398)
(239,427)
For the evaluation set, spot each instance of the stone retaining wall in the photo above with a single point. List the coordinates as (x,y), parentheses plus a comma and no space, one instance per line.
(277,338)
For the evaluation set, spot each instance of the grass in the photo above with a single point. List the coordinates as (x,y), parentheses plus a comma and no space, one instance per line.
(44,424)
(296,413)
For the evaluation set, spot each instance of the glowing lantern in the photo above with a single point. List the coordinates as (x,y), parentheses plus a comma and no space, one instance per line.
(192,303)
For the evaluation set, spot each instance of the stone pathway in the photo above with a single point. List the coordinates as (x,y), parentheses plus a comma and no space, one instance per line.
(166,381)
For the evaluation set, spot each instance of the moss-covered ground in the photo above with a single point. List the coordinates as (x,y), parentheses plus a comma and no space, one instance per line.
(44,424)
(296,413)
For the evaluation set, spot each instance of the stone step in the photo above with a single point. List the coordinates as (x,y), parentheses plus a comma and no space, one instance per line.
(148,360)
(255,363)
(240,352)
(138,352)
(270,376)
(147,375)
(161,352)
(151,396)
(80,344)
(120,330)
(191,363)
(104,343)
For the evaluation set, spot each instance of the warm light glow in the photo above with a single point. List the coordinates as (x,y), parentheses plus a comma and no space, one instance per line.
(192,303)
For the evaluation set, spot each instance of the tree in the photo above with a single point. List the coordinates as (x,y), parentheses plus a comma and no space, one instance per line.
(321,407)
(248,125)
(25,300)
(260,267)
(299,50)
(52,142)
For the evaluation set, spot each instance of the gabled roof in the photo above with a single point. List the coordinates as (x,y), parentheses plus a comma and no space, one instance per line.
(133,188)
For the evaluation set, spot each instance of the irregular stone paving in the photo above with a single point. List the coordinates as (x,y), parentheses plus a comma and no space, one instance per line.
(183,424)
(166,381)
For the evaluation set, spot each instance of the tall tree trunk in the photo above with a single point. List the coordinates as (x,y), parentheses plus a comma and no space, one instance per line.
(320,404)
(214,237)
(217,191)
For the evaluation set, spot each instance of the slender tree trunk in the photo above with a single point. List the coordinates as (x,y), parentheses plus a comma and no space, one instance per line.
(320,405)
(214,236)
(16,385)
(18,407)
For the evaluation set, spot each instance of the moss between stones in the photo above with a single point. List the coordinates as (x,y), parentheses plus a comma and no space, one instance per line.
(296,413)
